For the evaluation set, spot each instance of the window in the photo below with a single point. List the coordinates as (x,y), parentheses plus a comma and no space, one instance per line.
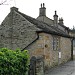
(55,43)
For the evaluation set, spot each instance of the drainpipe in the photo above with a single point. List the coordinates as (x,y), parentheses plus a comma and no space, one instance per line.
(72,48)
(31,42)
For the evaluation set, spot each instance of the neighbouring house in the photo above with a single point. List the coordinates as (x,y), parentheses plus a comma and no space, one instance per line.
(72,33)
(42,36)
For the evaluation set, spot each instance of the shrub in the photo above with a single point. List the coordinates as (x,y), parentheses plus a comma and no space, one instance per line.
(13,62)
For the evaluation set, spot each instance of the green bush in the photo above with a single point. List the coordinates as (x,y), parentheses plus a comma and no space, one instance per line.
(13,62)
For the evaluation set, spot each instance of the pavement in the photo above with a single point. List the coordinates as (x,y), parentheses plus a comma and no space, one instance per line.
(64,69)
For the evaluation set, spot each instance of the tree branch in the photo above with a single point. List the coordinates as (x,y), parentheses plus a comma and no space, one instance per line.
(3,2)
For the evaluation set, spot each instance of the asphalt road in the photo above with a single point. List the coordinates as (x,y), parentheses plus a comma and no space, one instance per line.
(65,69)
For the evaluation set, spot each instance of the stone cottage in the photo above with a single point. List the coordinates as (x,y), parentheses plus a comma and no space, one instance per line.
(72,33)
(42,36)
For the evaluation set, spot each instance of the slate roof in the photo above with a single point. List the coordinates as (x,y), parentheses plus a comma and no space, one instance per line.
(64,26)
(45,27)
(73,30)
(42,25)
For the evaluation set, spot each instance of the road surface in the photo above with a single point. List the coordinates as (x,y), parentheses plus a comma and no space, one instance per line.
(65,69)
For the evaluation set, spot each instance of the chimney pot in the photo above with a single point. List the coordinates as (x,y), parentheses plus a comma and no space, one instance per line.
(42,10)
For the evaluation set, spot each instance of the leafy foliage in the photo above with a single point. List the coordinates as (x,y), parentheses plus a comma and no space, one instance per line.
(13,62)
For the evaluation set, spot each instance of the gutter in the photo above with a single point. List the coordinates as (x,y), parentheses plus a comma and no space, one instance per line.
(31,42)
(72,48)
(54,33)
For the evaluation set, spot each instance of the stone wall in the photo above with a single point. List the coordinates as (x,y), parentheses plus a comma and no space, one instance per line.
(65,49)
(39,66)
(44,47)
(36,66)
(5,32)
(16,31)
(37,48)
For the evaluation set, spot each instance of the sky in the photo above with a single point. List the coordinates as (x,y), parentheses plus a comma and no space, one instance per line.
(64,8)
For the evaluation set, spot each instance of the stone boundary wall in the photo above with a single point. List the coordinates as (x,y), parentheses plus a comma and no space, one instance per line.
(36,66)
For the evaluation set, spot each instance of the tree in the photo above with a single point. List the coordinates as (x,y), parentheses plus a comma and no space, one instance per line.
(7,2)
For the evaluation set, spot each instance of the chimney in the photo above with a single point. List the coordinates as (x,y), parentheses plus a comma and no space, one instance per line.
(13,8)
(61,21)
(55,19)
(42,10)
